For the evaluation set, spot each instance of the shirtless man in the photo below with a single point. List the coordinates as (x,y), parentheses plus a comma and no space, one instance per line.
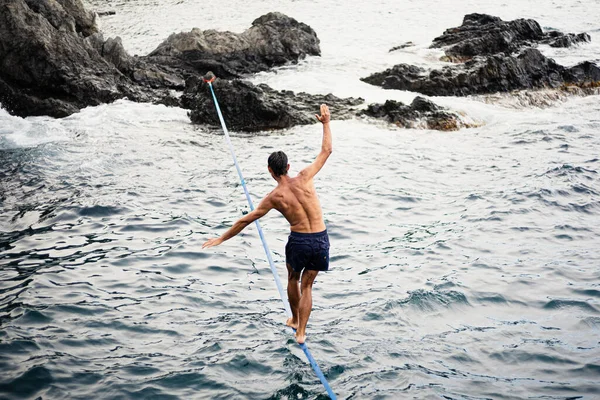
(307,250)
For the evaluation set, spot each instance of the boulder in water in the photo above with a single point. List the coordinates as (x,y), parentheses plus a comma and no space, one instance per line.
(273,39)
(481,75)
(482,35)
(251,108)
(248,107)
(421,113)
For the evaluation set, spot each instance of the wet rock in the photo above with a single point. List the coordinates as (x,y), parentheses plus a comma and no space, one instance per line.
(249,107)
(493,56)
(141,72)
(541,98)
(421,113)
(49,67)
(482,34)
(114,52)
(66,15)
(557,39)
(54,61)
(585,74)
(402,46)
(481,75)
(273,39)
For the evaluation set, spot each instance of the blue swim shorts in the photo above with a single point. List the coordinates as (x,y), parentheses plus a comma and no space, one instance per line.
(308,251)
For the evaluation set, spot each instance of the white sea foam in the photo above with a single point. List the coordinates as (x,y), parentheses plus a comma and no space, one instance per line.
(16,132)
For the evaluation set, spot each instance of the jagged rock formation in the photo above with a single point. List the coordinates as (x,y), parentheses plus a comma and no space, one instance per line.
(273,40)
(251,108)
(496,61)
(54,61)
(51,61)
(66,15)
(482,34)
(421,113)
(497,73)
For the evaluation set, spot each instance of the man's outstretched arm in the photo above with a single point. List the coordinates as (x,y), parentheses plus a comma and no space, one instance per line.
(263,208)
(326,145)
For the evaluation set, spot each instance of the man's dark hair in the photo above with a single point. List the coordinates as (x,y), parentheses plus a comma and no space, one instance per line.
(278,162)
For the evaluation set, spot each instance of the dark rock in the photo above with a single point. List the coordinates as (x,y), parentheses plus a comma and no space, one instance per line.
(420,113)
(66,15)
(401,76)
(273,40)
(53,60)
(143,73)
(49,67)
(482,34)
(566,40)
(496,57)
(497,73)
(248,107)
(585,74)
(402,46)
(114,52)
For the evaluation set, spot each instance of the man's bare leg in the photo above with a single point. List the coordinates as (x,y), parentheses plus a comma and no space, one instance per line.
(293,291)
(305,306)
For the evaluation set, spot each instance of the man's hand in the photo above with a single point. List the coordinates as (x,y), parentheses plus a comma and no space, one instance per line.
(325,115)
(212,242)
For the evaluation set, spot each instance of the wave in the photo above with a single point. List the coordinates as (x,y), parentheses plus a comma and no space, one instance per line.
(17,132)
(425,300)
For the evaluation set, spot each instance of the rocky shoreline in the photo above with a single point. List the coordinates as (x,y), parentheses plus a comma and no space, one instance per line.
(54,61)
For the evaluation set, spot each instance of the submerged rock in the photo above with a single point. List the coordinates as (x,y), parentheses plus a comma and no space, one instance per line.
(273,39)
(421,113)
(252,108)
(402,46)
(498,73)
(541,98)
(482,34)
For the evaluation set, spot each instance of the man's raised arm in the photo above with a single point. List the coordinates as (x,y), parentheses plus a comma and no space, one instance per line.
(326,146)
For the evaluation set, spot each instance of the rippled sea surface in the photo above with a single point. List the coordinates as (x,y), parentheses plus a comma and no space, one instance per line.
(464,265)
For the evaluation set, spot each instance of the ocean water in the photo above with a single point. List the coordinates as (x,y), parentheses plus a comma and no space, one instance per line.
(464,265)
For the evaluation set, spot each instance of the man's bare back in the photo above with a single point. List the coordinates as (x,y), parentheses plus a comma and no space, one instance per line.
(307,250)
(296,198)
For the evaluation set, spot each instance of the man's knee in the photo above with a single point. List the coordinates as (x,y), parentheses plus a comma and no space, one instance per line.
(308,278)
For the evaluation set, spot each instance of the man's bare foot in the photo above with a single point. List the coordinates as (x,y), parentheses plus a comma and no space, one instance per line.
(291,323)
(300,338)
